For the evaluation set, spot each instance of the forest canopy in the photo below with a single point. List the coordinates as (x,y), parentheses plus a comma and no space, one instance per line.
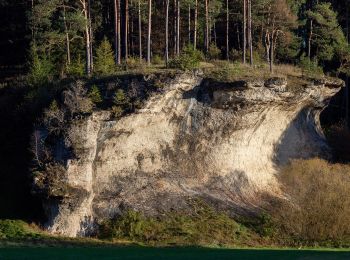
(68,37)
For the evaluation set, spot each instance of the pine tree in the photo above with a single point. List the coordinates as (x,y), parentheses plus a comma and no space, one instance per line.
(149,32)
(328,39)
(95,95)
(104,64)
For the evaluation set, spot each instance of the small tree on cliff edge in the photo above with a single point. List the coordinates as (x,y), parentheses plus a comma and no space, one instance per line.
(105,63)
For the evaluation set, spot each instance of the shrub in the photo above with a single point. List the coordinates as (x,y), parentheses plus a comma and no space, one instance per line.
(310,67)
(15,229)
(76,68)
(104,64)
(54,118)
(135,63)
(41,68)
(188,60)
(318,208)
(120,98)
(157,60)
(235,55)
(214,52)
(204,226)
(95,95)
(117,111)
(225,71)
(121,103)
(257,57)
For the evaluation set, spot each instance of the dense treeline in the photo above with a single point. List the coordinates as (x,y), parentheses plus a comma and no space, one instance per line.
(66,35)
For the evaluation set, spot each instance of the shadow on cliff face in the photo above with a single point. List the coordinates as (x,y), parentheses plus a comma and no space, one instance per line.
(21,108)
(336,131)
(303,139)
(17,120)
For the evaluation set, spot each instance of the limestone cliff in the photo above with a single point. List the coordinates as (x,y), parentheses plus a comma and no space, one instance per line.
(222,142)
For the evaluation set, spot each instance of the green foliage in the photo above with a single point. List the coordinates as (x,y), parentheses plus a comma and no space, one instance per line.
(225,71)
(265,226)
(310,68)
(120,98)
(95,95)
(235,55)
(117,111)
(134,63)
(121,103)
(104,63)
(76,68)
(41,68)
(344,58)
(158,60)
(189,59)
(54,106)
(204,226)
(328,37)
(288,48)
(257,57)
(15,229)
(214,52)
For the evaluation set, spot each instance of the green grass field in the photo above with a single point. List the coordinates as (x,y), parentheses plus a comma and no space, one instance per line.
(166,253)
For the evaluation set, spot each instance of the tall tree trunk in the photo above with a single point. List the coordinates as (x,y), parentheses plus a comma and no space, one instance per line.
(91,37)
(244,30)
(126,31)
(271,52)
(175,27)
(87,38)
(272,45)
(149,32)
(67,36)
(238,37)
(347,119)
(267,46)
(189,24)
(210,34)
(195,24)
(140,30)
(178,28)
(310,39)
(214,29)
(32,27)
(206,26)
(167,33)
(227,30)
(250,38)
(117,31)
(131,34)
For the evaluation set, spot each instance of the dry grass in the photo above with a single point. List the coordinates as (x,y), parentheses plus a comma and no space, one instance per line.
(288,70)
(318,210)
(227,71)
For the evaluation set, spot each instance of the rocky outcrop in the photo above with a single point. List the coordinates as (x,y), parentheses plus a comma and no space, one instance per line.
(221,142)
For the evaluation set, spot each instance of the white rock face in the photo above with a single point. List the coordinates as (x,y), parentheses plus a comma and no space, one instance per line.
(221,142)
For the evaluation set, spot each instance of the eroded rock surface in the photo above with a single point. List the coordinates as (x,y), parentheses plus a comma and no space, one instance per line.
(222,142)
